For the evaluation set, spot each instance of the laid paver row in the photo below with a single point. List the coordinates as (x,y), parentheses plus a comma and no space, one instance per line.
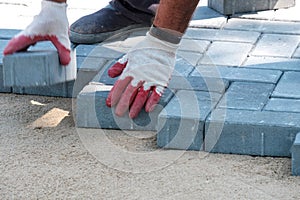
(215,102)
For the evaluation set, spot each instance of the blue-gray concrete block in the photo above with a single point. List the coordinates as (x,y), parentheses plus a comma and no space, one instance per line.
(56,90)
(3,44)
(191,57)
(103,77)
(297,53)
(238,73)
(222,35)
(181,123)
(92,111)
(191,45)
(87,69)
(260,133)
(98,51)
(288,86)
(296,156)
(182,67)
(283,105)
(246,96)
(277,63)
(205,17)
(264,26)
(229,7)
(198,83)
(37,68)
(276,45)
(2,87)
(218,53)
(8,33)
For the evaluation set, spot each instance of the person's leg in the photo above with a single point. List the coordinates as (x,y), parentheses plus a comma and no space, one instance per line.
(120,16)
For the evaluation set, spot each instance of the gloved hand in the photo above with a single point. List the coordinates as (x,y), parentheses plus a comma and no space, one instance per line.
(144,73)
(50,24)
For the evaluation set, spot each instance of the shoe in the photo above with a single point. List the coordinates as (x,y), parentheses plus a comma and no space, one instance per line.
(102,25)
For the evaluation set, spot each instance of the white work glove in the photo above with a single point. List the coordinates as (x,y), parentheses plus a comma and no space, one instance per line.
(50,24)
(144,73)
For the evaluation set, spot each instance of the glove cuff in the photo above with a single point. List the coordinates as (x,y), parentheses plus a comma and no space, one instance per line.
(165,35)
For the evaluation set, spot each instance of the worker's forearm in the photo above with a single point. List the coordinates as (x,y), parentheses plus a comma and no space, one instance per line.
(175,14)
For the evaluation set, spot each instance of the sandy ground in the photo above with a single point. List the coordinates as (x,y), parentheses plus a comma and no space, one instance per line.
(44,157)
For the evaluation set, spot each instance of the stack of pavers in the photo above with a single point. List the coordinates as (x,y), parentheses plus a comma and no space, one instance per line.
(235,88)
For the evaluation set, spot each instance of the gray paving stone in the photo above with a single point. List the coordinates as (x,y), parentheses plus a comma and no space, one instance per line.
(36,68)
(191,57)
(102,76)
(218,53)
(198,83)
(222,35)
(297,53)
(276,45)
(205,17)
(228,7)
(92,111)
(251,132)
(238,73)
(87,69)
(181,123)
(296,156)
(57,90)
(261,15)
(98,51)
(182,67)
(288,86)
(283,64)
(199,46)
(264,26)
(203,12)
(283,105)
(3,89)
(8,33)
(246,96)
(3,44)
